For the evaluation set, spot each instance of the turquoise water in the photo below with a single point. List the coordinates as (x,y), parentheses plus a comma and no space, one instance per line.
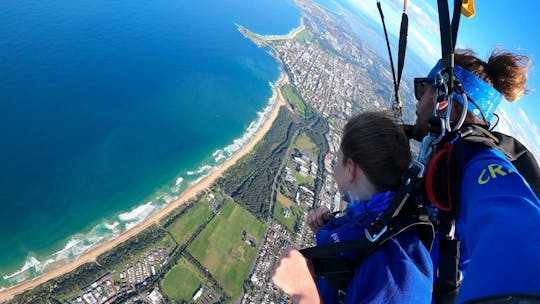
(109,109)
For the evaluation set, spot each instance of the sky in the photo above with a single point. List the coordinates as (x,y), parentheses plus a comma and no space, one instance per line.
(497,23)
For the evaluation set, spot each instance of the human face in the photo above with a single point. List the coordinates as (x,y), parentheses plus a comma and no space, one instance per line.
(341,172)
(426,95)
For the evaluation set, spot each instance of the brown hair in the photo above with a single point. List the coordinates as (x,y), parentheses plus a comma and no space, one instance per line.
(504,70)
(379,146)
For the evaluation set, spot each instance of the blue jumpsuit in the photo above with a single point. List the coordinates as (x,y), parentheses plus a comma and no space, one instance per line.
(498,227)
(400,271)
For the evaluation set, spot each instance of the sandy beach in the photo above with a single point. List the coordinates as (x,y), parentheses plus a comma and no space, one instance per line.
(188,194)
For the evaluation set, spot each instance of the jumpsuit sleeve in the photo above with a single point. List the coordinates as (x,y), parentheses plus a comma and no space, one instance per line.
(498,226)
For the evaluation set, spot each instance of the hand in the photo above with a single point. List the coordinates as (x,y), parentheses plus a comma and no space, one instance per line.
(318,218)
(293,274)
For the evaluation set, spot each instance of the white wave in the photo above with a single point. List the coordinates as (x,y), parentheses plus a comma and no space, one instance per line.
(137,214)
(196,181)
(104,231)
(175,189)
(74,248)
(112,227)
(168,198)
(203,169)
(253,127)
(219,155)
(131,225)
(30,262)
(81,243)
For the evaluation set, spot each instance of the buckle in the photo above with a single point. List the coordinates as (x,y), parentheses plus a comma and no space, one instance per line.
(341,296)
(418,165)
(372,237)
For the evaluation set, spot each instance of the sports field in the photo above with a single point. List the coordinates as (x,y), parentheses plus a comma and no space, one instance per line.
(181,282)
(295,213)
(220,248)
(184,227)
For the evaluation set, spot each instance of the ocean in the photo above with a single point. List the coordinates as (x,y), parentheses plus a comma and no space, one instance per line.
(109,109)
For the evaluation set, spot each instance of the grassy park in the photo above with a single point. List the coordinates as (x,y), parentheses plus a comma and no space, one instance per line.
(220,248)
(181,282)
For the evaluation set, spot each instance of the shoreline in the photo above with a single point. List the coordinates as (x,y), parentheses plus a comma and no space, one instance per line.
(191,192)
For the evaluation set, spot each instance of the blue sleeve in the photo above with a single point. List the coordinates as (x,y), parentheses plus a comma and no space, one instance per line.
(400,271)
(498,226)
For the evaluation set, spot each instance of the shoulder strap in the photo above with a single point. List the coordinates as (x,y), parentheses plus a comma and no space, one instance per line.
(445,290)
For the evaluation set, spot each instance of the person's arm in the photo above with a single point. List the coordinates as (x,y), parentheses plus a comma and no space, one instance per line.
(294,276)
(318,218)
(498,224)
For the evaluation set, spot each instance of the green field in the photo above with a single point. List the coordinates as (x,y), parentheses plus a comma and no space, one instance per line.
(303,142)
(219,247)
(181,282)
(294,217)
(287,202)
(184,226)
(308,180)
(296,102)
(304,36)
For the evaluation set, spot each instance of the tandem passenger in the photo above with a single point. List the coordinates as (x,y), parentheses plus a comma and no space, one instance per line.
(373,155)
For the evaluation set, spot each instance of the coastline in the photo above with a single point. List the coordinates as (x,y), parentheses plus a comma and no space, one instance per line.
(204,183)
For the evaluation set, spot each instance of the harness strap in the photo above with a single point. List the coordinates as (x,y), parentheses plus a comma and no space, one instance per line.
(402,46)
(455,21)
(388,45)
(410,179)
(338,271)
(508,299)
(396,88)
(446,288)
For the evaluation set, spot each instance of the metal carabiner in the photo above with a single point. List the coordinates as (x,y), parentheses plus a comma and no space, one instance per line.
(429,142)
(463,111)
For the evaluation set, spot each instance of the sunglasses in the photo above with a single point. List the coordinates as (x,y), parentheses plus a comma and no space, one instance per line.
(419,86)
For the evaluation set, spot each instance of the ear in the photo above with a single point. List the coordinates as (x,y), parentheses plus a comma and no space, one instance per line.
(352,169)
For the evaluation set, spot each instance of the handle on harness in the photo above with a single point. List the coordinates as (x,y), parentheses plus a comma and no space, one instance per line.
(430,174)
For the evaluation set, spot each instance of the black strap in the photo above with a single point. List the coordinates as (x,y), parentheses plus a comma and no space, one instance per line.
(447,44)
(508,299)
(402,47)
(396,89)
(408,184)
(455,21)
(446,289)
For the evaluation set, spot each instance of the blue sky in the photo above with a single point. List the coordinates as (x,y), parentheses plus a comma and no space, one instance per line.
(510,24)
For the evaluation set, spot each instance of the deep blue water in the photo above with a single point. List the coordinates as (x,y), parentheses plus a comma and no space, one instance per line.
(102,103)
